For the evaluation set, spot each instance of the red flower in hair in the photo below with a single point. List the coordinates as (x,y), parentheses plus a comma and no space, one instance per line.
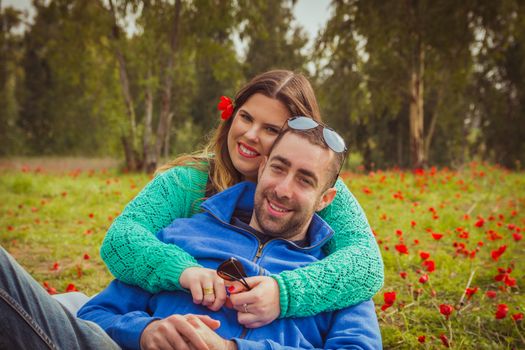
(226,106)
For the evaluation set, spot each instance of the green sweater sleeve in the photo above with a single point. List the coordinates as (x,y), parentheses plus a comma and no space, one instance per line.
(352,272)
(131,250)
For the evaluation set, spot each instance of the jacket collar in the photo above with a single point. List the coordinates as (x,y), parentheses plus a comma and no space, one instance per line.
(241,197)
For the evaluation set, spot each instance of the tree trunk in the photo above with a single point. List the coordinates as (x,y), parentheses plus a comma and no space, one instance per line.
(416,116)
(165,112)
(130,139)
(150,161)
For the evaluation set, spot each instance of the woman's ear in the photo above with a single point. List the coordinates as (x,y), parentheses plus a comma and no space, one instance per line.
(326,198)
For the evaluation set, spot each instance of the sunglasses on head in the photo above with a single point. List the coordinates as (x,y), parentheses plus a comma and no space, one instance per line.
(232,270)
(330,137)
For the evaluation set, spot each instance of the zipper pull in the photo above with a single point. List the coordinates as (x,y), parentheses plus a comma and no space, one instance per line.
(259,251)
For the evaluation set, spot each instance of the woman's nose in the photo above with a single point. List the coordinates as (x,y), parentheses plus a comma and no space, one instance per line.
(252,134)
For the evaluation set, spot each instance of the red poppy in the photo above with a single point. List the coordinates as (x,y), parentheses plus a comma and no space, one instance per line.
(496,254)
(437,236)
(517,236)
(424,255)
(366,190)
(49,289)
(71,288)
(501,311)
(389,298)
(403,274)
(421,339)
(480,223)
(423,279)
(401,248)
(226,106)
(470,292)
(91,215)
(430,265)
(517,317)
(55,267)
(413,223)
(446,310)
(491,294)
(444,340)
(399,233)
(416,241)
(86,256)
(509,281)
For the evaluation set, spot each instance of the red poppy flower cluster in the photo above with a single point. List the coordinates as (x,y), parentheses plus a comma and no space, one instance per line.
(504,276)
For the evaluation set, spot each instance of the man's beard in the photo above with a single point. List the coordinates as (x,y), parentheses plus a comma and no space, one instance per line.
(280,227)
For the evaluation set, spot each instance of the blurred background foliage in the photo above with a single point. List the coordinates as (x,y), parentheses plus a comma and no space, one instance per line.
(409,83)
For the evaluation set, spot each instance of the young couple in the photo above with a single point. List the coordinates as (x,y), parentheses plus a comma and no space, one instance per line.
(293,278)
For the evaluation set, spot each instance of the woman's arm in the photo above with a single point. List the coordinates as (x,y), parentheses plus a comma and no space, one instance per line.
(352,272)
(130,249)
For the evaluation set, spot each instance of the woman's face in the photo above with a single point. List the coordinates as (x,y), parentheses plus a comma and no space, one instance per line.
(254,129)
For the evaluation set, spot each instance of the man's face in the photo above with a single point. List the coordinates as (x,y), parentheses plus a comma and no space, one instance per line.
(291,187)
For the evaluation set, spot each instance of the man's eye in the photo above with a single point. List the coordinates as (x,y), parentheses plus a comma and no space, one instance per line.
(306,181)
(272,130)
(276,168)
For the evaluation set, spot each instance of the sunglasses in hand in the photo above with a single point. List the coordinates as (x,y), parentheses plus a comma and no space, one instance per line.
(232,270)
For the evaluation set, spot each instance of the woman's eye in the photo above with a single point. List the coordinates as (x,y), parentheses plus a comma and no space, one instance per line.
(246,117)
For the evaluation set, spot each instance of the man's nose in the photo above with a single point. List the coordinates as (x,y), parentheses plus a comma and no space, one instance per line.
(283,189)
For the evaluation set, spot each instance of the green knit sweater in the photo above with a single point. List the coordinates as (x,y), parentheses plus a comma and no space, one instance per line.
(351,273)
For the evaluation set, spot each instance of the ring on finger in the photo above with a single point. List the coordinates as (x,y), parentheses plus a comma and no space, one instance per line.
(208,291)
(245,306)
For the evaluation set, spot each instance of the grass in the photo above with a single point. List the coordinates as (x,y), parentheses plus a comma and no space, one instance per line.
(54,225)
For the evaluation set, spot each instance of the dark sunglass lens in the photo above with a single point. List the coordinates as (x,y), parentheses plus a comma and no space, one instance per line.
(302,123)
(231,269)
(334,140)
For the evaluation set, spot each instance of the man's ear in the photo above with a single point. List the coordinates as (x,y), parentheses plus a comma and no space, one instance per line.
(261,167)
(326,198)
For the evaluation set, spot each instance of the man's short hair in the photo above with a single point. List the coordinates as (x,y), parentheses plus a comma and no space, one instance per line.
(315,137)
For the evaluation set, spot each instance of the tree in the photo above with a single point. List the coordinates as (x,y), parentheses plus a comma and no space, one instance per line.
(11,51)
(406,54)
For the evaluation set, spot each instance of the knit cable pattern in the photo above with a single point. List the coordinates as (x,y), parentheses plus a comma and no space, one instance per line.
(352,273)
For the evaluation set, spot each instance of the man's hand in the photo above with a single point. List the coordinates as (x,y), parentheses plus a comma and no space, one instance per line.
(259,306)
(206,287)
(208,335)
(176,332)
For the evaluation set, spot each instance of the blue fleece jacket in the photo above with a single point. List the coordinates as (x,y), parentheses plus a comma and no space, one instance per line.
(123,311)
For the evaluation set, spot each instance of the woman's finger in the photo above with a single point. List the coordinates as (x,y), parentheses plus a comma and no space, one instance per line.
(220,295)
(209,293)
(196,292)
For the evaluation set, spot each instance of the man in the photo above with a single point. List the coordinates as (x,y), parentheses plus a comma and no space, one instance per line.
(281,232)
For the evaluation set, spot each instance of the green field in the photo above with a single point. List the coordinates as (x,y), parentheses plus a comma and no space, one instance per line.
(467,224)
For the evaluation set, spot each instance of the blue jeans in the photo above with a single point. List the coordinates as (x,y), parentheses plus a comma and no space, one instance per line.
(31,319)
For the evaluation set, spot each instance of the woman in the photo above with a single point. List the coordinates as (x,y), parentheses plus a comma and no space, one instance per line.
(351,273)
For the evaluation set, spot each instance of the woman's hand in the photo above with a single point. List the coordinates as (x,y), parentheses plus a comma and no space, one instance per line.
(206,287)
(259,306)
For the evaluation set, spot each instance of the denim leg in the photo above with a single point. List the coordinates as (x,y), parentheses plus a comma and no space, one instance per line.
(31,319)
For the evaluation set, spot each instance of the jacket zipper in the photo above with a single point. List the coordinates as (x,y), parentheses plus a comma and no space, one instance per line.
(258,254)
